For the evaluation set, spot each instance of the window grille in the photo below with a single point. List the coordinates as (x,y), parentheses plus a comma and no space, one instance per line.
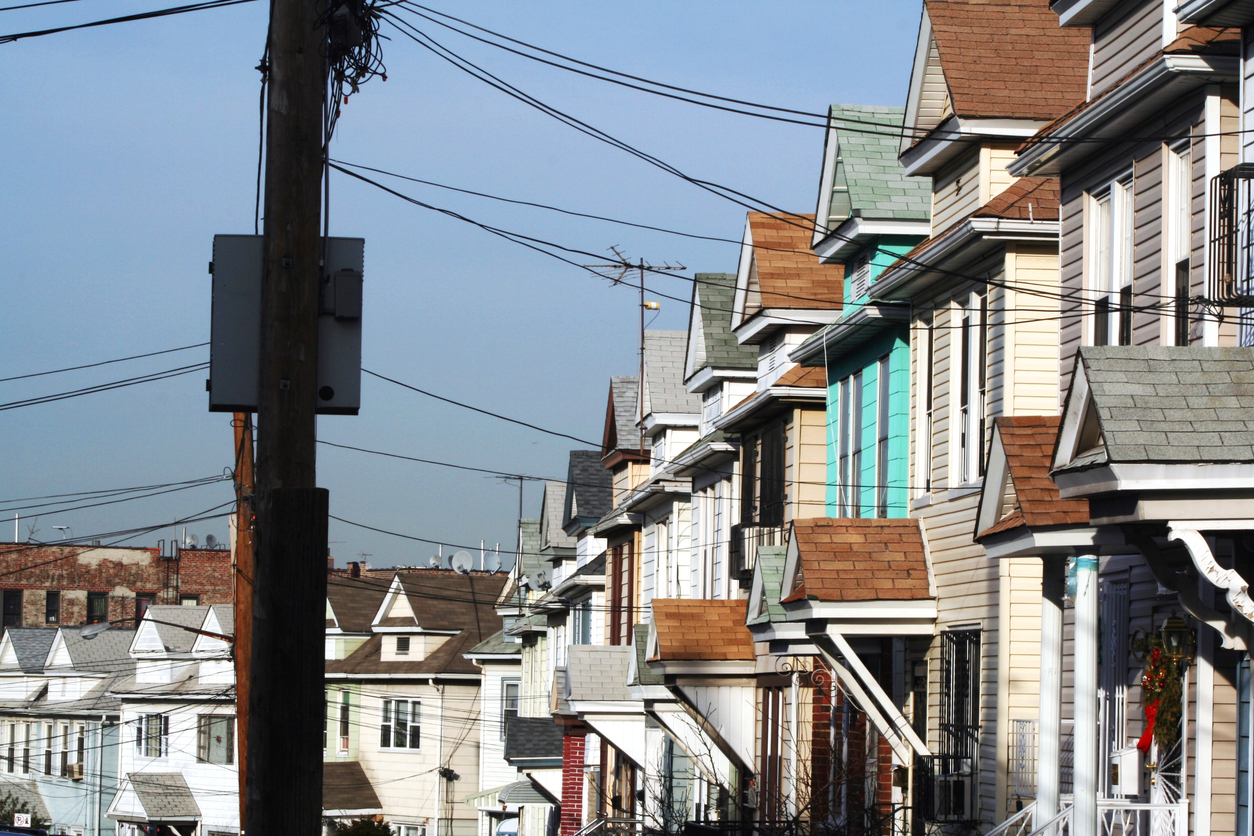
(956,766)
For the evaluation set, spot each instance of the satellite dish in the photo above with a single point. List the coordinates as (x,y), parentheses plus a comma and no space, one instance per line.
(190,541)
(211,542)
(524,582)
(462,561)
(494,563)
(542,581)
(434,563)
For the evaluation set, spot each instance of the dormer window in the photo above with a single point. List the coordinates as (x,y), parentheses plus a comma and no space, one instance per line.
(402,645)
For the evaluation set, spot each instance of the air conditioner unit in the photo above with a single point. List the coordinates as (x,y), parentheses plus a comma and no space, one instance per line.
(74,771)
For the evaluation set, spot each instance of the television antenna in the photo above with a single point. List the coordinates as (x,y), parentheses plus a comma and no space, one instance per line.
(617,273)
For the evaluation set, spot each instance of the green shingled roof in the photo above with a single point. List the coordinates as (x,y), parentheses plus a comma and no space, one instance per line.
(712,298)
(878,185)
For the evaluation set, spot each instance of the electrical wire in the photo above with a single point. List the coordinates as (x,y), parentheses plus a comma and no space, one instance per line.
(106,387)
(163,492)
(103,362)
(173,10)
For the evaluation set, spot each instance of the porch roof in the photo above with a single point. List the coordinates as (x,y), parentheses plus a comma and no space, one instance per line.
(841,560)
(695,630)
(1027,444)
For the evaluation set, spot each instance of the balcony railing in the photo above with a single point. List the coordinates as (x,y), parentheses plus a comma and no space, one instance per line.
(1118,817)
(745,539)
(1231,280)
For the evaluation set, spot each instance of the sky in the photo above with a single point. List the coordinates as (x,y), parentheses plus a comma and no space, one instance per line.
(128,147)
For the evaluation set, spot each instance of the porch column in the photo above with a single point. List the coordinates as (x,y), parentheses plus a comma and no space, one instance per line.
(1049,735)
(1084,816)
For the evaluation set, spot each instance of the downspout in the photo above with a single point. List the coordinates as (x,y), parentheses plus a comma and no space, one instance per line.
(439,760)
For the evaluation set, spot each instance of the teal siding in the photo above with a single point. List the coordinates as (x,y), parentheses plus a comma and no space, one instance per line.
(884,252)
(893,342)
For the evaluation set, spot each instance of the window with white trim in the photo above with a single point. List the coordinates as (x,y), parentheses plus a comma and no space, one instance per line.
(215,738)
(345,716)
(509,702)
(151,734)
(849,461)
(972,386)
(1179,238)
(399,724)
(926,400)
(1111,265)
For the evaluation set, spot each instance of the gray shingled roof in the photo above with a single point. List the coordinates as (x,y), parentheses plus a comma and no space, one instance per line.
(589,488)
(598,672)
(559,703)
(103,652)
(645,675)
(554,504)
(31,644)
(532,738)
(523,793)
(623,393)
(770,563)
(1159,404)
(878,185)
(164,795)
(712,298)
(496,644)
(530,557)
(175,638)
(26,790)
(664,374)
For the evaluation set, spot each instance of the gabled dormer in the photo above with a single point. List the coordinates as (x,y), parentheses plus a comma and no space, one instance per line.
(782,290)
(555,544)
(670,413)
(716,366)
(985,78)
(402,635)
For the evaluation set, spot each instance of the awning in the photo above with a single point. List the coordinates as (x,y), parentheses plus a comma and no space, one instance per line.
(151,797)
(347,792)
(527,792)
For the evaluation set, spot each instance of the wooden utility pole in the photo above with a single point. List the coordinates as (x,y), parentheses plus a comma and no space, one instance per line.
(242,551)
(286,711)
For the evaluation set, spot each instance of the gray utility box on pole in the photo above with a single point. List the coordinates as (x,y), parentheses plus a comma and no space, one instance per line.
(235,329)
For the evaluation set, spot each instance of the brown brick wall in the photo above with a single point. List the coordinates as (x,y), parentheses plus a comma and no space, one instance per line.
(572,784)
(121,574)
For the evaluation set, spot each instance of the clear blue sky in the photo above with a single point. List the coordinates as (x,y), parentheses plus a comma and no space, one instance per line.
(128,147)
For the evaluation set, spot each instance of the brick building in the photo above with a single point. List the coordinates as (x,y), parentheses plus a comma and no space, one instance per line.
(69,585)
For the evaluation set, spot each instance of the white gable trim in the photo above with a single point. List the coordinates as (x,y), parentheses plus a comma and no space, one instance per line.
(396,588)
(996,480)
(742,274)
(915,95)
(1079,401)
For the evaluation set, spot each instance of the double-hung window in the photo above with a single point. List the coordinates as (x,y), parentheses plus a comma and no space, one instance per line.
(849,462)
(926,400)
(972,386)
(11,754)
(345,712)
(48,741)
(1111,273)
(151,732)
(882,397)
(215,738)
(1179,238)
(509,703)
(399,725)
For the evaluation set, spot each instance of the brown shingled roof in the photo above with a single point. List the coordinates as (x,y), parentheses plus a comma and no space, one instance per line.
(789,273)
(1196,40)
(1009,58)
(702,630)
(1039,193)
(859,560)
(1029,444)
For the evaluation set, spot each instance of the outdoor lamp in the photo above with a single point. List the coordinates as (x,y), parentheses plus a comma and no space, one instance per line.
(1179,641)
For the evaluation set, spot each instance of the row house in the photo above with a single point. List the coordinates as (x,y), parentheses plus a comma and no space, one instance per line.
(60,725)
(402,739)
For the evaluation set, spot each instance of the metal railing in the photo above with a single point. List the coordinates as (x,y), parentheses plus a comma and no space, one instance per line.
(1120,817)
(1020,824)
(1231,279)
(745,539)
(610,826)
(1023,752)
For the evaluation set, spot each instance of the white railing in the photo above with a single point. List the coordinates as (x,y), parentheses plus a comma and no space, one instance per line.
(1020,824)
(1119,817)
(617,826)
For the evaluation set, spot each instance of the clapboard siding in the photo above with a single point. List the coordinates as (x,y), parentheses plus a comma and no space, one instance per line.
(956,191)
(808,435)
(934,102)
(1123,40)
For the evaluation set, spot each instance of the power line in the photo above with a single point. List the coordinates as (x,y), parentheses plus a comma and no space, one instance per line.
(107,491)
(168,490)
(102,362)
(173,10)
(34,5)
(106,387)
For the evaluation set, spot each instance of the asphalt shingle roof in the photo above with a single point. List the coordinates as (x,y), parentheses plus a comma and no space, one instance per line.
(497,644)
(664,390)
(713,295)
(552,510)
(598,673)
(356,600)
(532,737)
(770,564)
(645,675)
(859,560)
(164,795)
(621,432)
(1029,444)
(877,182)
(102,653)
(1009,58)
(26,790)
(702,630)
(589,487)
(346,787)
(530,557)
(789,274)
(1171,405)
(175,638)
(31,644)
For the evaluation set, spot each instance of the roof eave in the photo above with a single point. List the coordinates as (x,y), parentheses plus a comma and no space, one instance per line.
(1216,12)
(707,376)
(854,233)
(851,331)
(1122,108)
(1081,12)
(704,667)
(766,321)
(957,246)
(774,399)
(955,136)
(1026,541)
